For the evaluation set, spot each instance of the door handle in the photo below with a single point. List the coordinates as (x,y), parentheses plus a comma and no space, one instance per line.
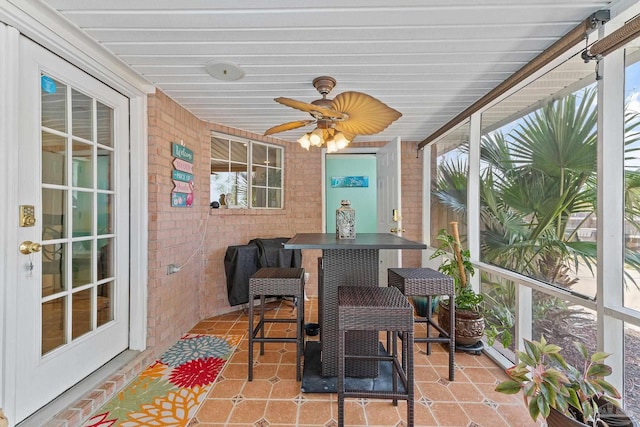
(28,247)
(397,230)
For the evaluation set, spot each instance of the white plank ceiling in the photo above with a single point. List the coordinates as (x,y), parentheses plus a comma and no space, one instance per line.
(427,59)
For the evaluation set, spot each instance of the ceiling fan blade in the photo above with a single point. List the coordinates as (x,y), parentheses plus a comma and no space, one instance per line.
(310,108)
(349,136)
(367,115)
(288,126)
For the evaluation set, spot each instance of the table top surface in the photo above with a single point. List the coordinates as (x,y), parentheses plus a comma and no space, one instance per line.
(362,241)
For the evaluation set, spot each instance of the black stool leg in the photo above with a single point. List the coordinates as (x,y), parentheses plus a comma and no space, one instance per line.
(394,370)
(429,314)
(452,335)
(341,364)
(251,332)
(408,369)
(300,334)
(261,324)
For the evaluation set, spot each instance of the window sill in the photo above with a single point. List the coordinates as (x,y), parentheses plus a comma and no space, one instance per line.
(247,212)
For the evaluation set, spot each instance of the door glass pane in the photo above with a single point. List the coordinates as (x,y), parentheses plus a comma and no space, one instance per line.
(82,165)
(53,324)
(82,118)
(82,209)
(54,155)
(54,204)
(54,104)
(105,303)
(105,124)
(105,258)
(105,172)
(81,313)
(105,213)
(78,196)
(81,264)
(53,268)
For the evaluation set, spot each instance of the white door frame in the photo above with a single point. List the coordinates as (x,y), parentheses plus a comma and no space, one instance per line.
(50,30)
(323,174)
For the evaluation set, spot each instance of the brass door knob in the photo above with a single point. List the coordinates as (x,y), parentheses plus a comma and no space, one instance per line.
(397,230)
(28,247)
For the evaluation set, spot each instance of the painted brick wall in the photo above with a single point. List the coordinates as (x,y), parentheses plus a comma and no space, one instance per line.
(200,235)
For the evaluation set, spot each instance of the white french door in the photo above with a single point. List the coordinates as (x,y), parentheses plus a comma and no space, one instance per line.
(389,203)
(73,286)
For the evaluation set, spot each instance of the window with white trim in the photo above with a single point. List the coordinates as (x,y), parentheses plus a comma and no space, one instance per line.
(246,174)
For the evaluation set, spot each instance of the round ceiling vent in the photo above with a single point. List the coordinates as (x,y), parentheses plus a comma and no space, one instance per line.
(224,70)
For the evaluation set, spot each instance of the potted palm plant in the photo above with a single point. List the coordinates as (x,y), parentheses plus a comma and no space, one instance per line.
(563,394)
(457,264)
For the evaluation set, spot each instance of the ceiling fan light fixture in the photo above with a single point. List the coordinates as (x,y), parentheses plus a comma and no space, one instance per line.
(340,140)
(316,138)
(304,141)
(331,146)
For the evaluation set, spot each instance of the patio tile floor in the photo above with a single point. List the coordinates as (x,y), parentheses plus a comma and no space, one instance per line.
(274,398)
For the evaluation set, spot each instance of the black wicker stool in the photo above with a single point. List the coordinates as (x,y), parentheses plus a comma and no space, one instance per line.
(275,281)
(370,308)
(427,282)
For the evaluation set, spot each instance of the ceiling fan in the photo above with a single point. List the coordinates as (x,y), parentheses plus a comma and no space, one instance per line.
(337,120)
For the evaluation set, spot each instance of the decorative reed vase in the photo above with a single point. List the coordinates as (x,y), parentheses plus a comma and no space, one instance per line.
(345,221)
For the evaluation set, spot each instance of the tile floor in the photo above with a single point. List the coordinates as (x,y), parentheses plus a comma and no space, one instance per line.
(274,398)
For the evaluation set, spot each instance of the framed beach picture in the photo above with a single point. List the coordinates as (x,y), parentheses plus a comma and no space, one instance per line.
(349,181)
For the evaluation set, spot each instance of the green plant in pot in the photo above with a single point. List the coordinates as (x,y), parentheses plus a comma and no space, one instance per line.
(457,264)
(563,394)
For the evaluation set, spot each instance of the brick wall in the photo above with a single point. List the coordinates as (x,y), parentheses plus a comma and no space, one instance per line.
(201,235)
(174,233)
(411,176)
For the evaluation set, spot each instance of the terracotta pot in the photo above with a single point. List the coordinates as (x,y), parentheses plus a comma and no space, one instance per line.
(469,324)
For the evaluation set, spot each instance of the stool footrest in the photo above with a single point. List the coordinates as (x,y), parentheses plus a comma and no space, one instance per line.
(445,334)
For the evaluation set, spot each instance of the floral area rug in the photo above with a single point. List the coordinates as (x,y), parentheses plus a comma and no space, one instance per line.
(169,392)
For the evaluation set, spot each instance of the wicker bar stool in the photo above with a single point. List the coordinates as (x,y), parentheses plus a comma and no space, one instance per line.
(275,281)
(429,283)
(370,308)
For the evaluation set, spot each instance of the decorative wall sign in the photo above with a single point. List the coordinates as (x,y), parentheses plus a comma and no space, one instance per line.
(182,176)
(349,181)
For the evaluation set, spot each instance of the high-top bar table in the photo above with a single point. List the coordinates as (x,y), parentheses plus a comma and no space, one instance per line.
(351,262)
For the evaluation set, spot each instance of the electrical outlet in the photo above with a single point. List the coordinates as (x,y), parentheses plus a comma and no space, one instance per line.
(172,268)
